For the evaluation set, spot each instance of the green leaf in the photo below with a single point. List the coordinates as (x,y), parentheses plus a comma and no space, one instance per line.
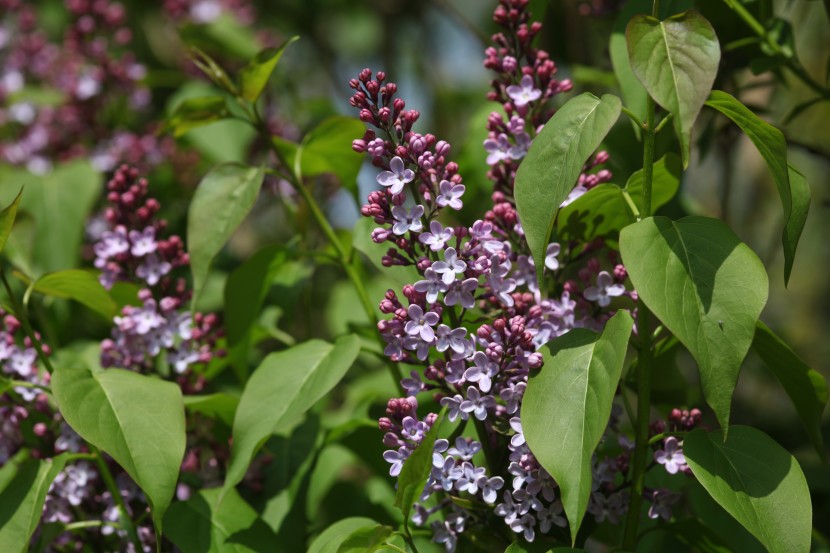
(203,524)
(330,539)
(632,90)
(137,419)
(222,201)
(212,70)
(79,285)
(756,481)
(552,166)
(805,386)
(7,217)
(415,471)
(696,535)
(567,405)
(706,286)
(220,406)
(365,540)
(521,547)
(197,112)
(254,76)
(771,144)
(602,211)
(245,291)
(289,382)
(677,61)
(328,149)
(665,182)
(23,487)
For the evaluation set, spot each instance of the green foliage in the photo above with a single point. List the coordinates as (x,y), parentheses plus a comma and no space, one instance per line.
(254,76)
(415,472)
(567,404)
(222,201)
(331,538)
(366,540)
(677,61)
(706,286)
(771,144)
(23,487)
(7,216)
(204,524)
(805,386)
(757,481)
(197,112)
(665,180)
(219,406)
(79,285)
(552,166)
(138,420)
(289,381)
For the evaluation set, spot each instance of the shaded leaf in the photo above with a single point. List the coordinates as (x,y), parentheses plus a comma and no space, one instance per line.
(137,419)
(79,285)
(7,217)
(254,76)
(708,289)
(567,405)
(601,211)
(805,386)
(552,166)
(197,112)
(756,481)
(365,540)
(219,405)
(665,181)
(330,539)
(289,382)
(415,472)
(677,61)
(222,201)
(771,144)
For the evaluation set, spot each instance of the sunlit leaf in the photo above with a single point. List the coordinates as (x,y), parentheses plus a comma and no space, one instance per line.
(254,76)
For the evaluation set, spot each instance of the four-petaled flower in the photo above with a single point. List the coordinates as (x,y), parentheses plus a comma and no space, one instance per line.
(432,285)
(524,92)
(449,194)
(437,237)
(397,177)
(406,221)
(604,290)
(483,371)
(477,404)
(144,242)
(450,266)
(461,292)
(671,456)
(420,323)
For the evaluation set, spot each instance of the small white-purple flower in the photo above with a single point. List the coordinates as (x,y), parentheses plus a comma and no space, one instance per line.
(397,177)
(604,290)
(482,372)
(432,285)
(407,220)
(437,237)
(450,266)
(462,293)
(453,405)
(551,261)
(498,149)
(449,194)
(143,242)
(396,458)
(671,456)
(420,323)
(524,92)
(477,404)
(451,338)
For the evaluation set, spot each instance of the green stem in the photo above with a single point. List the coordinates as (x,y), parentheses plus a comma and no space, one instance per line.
(83,524)
(633,116)
(663,435)
(109,482)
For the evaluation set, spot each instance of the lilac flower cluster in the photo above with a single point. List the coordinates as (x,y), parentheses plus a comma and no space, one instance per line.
(56,97)
(478,371)
(201,12)
(131,249)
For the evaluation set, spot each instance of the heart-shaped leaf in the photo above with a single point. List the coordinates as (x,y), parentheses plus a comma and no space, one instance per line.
(137,419)
(805,386)
(552,166)
(288,382)
(708,289)
(677,61)
(771,144)
(222,201)
(23,487)
(567,405)
(757,481)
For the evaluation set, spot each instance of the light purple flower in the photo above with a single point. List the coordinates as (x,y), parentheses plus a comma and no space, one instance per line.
(477,404)
(22,362)
(432,285)
(604,290)
(413,386)
(152,269)
(661,502)
(453,405)
(512,396)
(524,93)
(461,292)
(144,242)
(501,289)
(398,177)
(510,510)
(449,194)
(112,243)
(551,515)
(420,323)
(396,458)
(490,487)
(451,338)
(518,439)
(469,481)
(551,262)
(450,266)
(413,429)
(671,456)
(497,149)
(437,237)
(406,221)
(464,449)
(483,371)
(524,525)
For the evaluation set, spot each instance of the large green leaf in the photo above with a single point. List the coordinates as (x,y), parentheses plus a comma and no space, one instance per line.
(222,201)
(415,472)
(757,481)
(633,92)
(245,291)
(23,487)
(567,405)
(254,76)
(79,285)
(805,386)
(677,61)
(771,144)
(330,539)
(7,217)
(601,211)
(288,383)
(203,524)
(365,540)
(219,405)
(137,419)
(706,286)
(665,181)
(551,168)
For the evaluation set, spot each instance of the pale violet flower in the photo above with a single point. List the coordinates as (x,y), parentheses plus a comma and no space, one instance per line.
(396,458)
(490,487)
(461,292)
(450,266)
(483,371)
(451,338)
(518,438)
(437,237)
(464,449)
(524,93)
(450,195)
(420,323)
(469,481)
(152,269)
(551,516)
(551,261)
(432,285)
(498,149)
(671,456)
(144,242)
(398,177)
(604,290)
(406,221)
(477,404)
(453,405)
(524,525)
